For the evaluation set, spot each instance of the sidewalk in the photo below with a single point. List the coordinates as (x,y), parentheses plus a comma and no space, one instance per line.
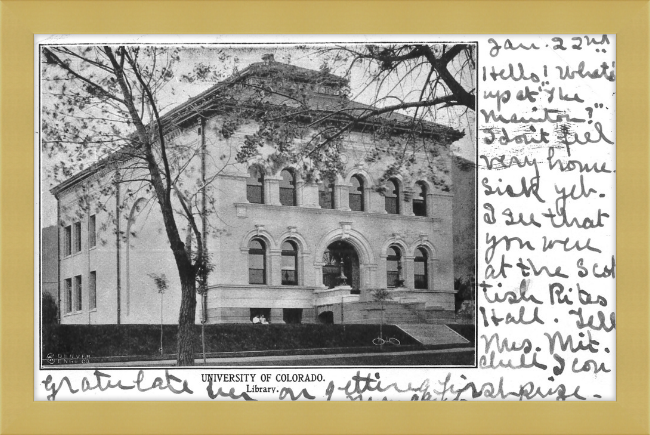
(153,359)
(252,360)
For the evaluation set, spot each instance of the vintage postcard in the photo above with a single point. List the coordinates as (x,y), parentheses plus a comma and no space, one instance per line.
(421,217)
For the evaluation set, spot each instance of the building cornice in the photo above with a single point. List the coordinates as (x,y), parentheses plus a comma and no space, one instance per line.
(333,211)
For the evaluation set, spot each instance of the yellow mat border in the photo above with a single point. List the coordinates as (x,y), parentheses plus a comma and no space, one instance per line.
(20,20)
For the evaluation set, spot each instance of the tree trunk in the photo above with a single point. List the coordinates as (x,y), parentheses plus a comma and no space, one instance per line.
(381,326)
(186,319)
(163,188)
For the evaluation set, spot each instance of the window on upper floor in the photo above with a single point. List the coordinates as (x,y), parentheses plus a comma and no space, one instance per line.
(76,237)
(255,186)
(420,199)
(393,267)
(392,197)
(67,241)
(92,231)
(289,263)
(288,187)
(326,194)
(256,262)
(421,269)
(357,194)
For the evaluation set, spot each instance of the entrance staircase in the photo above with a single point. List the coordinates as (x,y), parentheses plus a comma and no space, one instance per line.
(426,325)
(395,313)
(433,334)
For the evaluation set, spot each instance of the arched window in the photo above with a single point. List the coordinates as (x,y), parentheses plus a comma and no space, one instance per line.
(356,194)
(255,186)
(392,197)
(256,262)
(394,267)
(421,270)
(420,199)
(289,263)
(288,188)
(326,194)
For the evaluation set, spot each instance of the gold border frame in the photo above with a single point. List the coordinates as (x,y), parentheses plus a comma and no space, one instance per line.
(20,20)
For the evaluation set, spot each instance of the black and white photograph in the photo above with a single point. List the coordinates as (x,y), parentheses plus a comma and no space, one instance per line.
(272,202)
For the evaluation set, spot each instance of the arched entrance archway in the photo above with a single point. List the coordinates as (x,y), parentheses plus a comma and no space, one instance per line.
(341,265)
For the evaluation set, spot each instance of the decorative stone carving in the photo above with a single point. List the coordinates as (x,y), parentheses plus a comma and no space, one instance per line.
(346,227)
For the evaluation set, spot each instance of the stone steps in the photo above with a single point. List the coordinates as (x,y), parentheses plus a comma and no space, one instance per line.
(395,313)
(433,334)
(371,312)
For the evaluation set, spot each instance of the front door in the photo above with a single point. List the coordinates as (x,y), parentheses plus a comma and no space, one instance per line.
(341,265)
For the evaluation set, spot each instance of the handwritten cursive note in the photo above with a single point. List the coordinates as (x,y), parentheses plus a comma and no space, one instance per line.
(547,173)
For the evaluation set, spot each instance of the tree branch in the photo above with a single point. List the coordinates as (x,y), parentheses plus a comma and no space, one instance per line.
(161,137)
(440,65)
(54,58)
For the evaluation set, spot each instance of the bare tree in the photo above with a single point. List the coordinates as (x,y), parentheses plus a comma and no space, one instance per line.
(104,102)
(443,71)
(405,87)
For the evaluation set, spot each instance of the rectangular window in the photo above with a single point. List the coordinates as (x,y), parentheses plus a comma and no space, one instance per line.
(292,315)
(391,205)
(256,269)
(92,290)
(356,202)
(419,207)
(392,273)
(255,194)
(289,275)
(287,196)
(257,261)
(77,237)
(67,241)
(256,276)
(392,279)
(326,197)
(67,295)
(259,312)
(92,232)
(420,274)
(77,293)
